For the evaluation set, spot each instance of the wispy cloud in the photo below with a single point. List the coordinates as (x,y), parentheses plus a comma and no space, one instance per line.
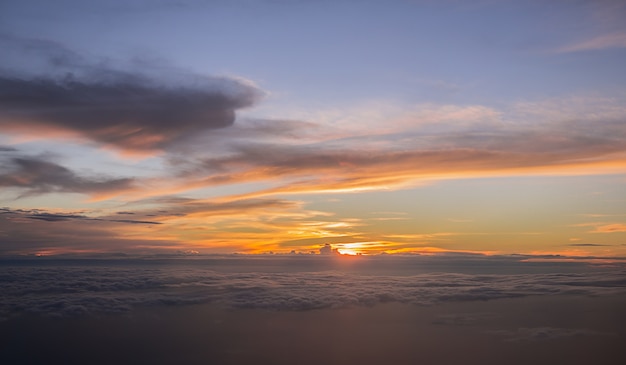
(587,245)
(604,227)
(38,231)
(610,228)
(37,175)
(531,139)
(600,42)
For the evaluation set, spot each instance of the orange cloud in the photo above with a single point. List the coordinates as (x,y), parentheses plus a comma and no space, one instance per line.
(610,228)
(421,152)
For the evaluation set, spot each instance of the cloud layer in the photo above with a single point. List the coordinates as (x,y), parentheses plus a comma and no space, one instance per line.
(61,288)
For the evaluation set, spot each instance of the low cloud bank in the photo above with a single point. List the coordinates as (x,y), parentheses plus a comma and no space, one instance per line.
(78,287)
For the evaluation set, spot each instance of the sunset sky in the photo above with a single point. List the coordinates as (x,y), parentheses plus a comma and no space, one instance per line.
(141,127)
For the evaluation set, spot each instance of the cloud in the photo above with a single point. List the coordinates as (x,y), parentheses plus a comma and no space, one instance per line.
(50,287)
(177,206)
(393,147)
(576,136)
(601,27)
(604,227)
(37,175)
(243,225)
(174,224)
(135,112)
(37,231)
(587,245)
(52,217)
(600,42)
(25,56)
(610,228)
(38,214)
(327,249)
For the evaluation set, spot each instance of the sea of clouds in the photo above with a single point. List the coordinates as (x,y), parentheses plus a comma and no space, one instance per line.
(78,287)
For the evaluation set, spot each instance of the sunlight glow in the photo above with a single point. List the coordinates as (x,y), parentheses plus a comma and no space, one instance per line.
(347,251)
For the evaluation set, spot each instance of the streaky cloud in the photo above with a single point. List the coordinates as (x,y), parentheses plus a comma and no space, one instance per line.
(173,206)
(38,214)
(601,42)
(587,245)
(41,231)
(570,136)
(37,175)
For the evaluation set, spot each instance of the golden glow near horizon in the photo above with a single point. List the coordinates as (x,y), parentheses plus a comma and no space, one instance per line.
(543,216)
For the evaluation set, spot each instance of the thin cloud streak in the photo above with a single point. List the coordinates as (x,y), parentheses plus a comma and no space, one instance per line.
(36,175)
(601,42)
(610,228)
(604,227)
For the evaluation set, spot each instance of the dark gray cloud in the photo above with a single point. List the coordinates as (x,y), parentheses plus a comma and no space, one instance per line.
(37,175)
(51,217)
(59,217)
(587,245)
(126,110)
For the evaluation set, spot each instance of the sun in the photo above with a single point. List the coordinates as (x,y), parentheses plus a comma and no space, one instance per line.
(357,248)
(348,251)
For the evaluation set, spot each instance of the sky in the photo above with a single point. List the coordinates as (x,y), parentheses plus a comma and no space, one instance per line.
(139,127)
